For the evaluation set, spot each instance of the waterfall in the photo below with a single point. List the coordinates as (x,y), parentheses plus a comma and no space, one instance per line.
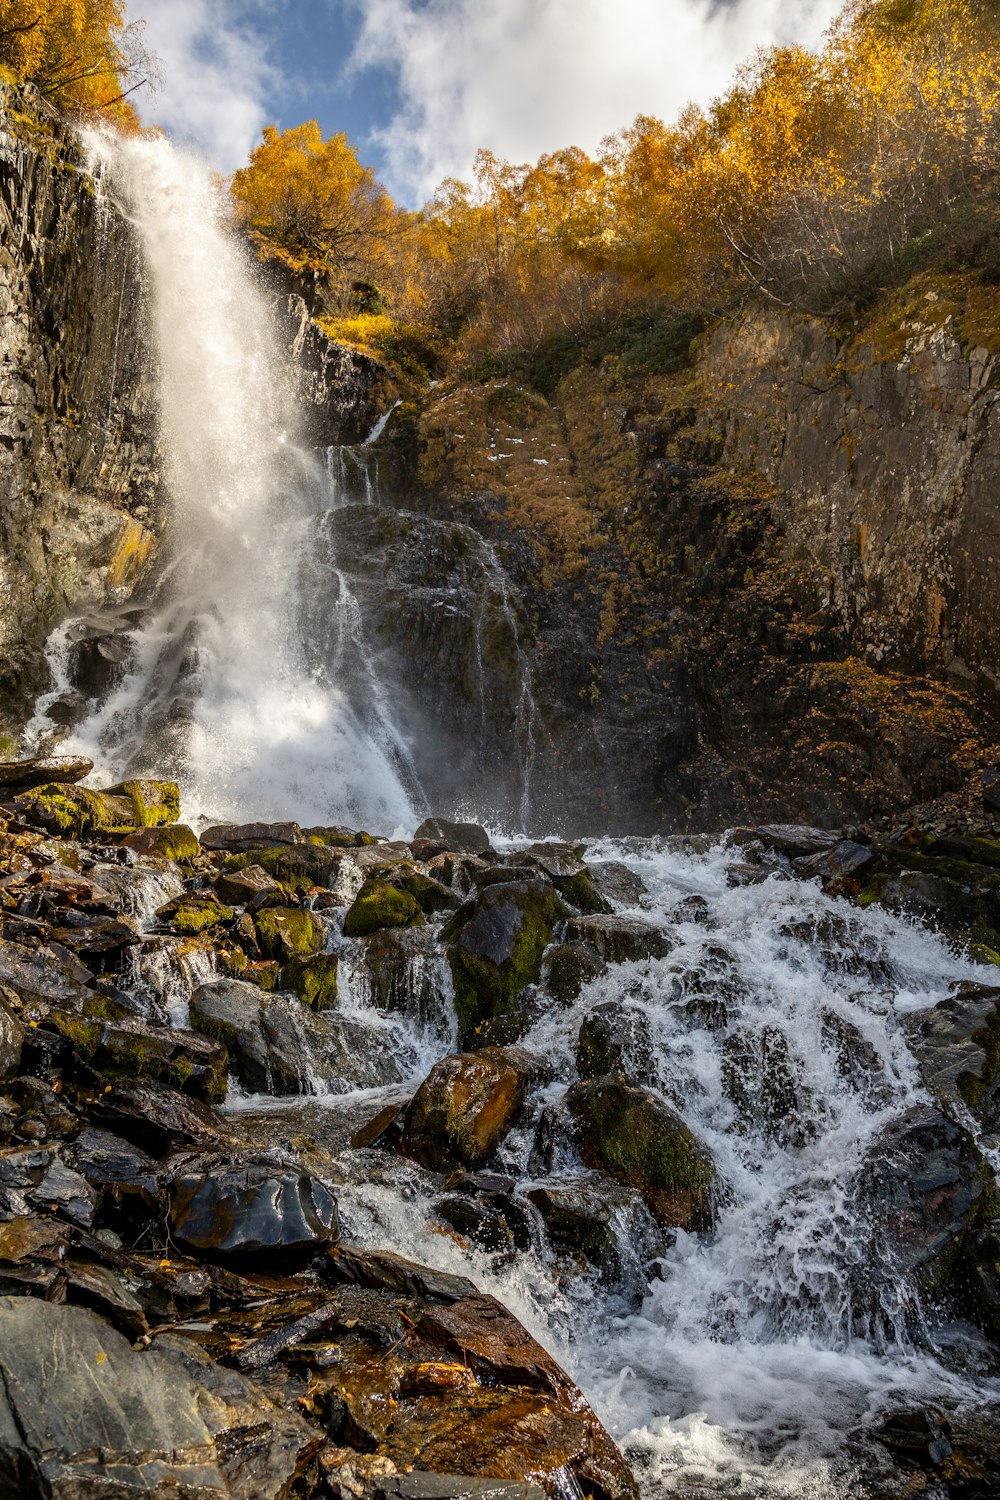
(221,687)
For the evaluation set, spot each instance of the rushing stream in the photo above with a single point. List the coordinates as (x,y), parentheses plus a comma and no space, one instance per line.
(739,1360)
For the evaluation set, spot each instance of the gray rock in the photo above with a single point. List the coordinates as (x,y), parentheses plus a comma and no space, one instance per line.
(794,840)
(619,939)
(459,838)
(240,838)
(40,1181)
(41,769)
(254,1206)
(957,1044)
(614,1038)
(82,1413)
(617,883)
(842,859)
(11,1037)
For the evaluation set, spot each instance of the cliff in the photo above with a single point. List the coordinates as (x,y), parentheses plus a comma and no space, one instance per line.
(78,461)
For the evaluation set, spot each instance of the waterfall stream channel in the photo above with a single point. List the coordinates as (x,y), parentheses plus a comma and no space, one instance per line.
(776,1020)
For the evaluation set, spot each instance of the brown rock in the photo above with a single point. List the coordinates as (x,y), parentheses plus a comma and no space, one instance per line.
(467,1105)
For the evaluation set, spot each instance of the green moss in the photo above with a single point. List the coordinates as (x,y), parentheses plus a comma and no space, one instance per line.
(484,989)
(338,838)
(314,980)
(429,895)
(154,802)
(872,892)
(176,843)
(200,916)
(285,932)
(379,905)
(232,962)
(76,811)
(579,892)
(636,1139)
(297,869)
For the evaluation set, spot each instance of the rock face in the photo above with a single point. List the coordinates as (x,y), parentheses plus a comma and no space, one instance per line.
(870,444)
(78,460)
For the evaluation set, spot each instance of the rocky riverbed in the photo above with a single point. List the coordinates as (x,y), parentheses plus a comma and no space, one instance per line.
(216,1049)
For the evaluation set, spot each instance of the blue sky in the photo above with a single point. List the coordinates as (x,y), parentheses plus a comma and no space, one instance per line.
(418,85)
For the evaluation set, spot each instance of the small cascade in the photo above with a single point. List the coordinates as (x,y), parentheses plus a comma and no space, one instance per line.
(496,614)
(167,975)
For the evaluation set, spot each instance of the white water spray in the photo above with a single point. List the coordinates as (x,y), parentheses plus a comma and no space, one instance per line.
(221,688)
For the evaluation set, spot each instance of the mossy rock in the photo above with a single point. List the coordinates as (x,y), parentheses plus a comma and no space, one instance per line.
(498,946)
(298,867)
(288,932)
(231,962)
(77,811)
(339,838)
(430,895)
(314,980)
(194,914)
(154,803)
(125,1047)
(175,842)
(579,891)
(379,904)
(568,968)
(630,1134)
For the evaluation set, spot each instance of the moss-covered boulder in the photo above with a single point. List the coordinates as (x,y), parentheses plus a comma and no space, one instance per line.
(430,895)
(128,1047)
(77,811)
(467,1105)
(497,945)
(195,912)
(176,842)
(298,867)
(632,1135)
(614,1038)
(288,932)
(379,904)
(568,968)
(154,803)
(313,979)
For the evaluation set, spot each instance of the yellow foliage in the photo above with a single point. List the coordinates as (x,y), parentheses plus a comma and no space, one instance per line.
(79,53)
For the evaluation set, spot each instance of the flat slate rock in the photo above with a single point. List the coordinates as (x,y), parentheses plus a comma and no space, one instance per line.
(238,838)
(40,770)
(83,1413)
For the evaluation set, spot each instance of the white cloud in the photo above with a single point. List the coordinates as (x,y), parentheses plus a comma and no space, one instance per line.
(214,74)
(527,76)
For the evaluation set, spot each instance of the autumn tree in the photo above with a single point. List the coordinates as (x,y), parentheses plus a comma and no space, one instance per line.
(310,200)
(78,53)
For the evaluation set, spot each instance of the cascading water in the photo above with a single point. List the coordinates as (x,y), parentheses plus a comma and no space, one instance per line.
(222,687)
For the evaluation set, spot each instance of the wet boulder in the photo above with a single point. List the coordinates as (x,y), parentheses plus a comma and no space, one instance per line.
(614,1038)
(287,932)
(957,1045)
(793,840)
(380,904)
(568,968)
(481,1206)
(257,1205)
(11,1039)
(616,883)
(77,811)
(758,1075)
(122,1174)
(563,865)
(619,940)
(497,946)
(638,1140)
(403,967)
(176,842)
(170,1421)
(154,803)
(297,867)
(844,860)
(156,1117)
(250,887)
(458,838)
(239,838)
(590,1216)
(135,1049)
(467,1106)
(41,770)
(313,980)
(926,1189)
